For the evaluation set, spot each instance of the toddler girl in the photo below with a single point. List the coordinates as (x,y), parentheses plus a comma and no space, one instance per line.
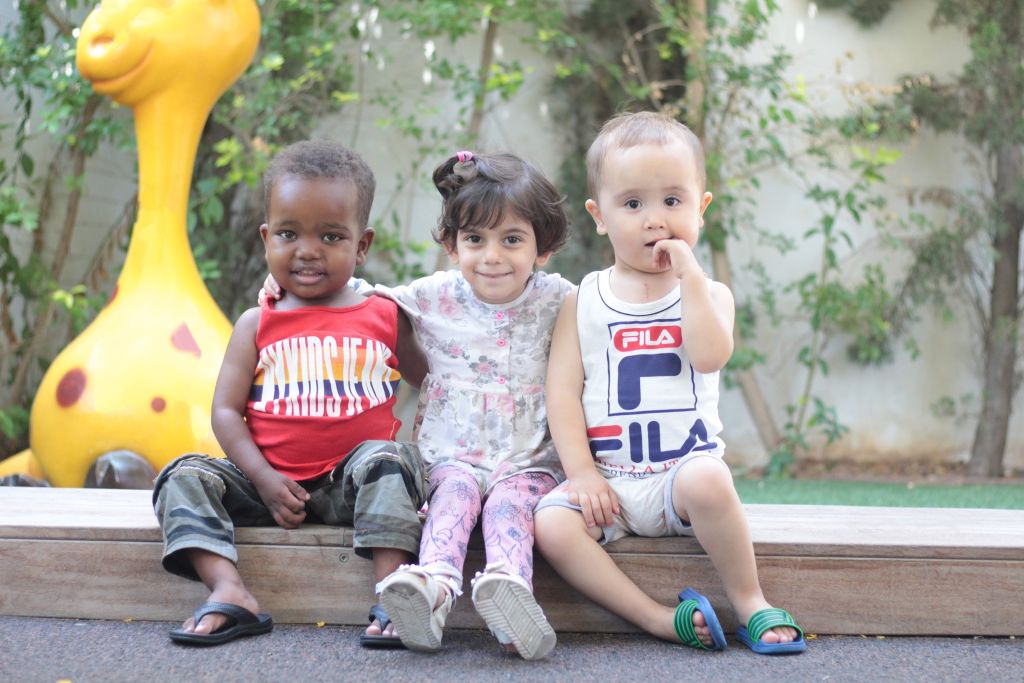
(481,425)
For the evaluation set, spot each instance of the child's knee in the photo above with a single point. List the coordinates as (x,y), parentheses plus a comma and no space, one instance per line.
(188,481)
(704,481)
(554,524)
(389,469)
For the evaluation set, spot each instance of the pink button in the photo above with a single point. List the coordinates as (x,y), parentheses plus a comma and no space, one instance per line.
(501,342)
(499,315)
(501,380)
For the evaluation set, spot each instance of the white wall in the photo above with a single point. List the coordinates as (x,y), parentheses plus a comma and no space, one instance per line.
(888,408)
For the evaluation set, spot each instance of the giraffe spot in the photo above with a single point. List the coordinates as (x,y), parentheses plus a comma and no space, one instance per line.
(70,387)
(158,404)
(184,341)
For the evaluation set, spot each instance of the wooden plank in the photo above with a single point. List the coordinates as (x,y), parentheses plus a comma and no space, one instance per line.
(95,554)
(836,530)
(120,580)
(799,530)
(306,584)
(116,515)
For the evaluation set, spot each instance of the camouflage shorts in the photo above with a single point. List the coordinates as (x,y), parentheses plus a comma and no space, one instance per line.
(378,490)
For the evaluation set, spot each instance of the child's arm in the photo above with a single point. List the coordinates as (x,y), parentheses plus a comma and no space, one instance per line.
(285,498)
(412,362)
(708,312)
(587,487)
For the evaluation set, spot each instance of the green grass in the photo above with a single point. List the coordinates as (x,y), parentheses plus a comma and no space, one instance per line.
(826,492)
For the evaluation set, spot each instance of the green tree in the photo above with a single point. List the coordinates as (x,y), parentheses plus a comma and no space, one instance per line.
(978,241)
(984,104)
(58,124)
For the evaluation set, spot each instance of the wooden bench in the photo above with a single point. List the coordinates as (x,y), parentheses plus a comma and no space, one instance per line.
(94,554)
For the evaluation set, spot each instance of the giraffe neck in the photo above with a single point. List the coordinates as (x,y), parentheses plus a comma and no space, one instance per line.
(167,130)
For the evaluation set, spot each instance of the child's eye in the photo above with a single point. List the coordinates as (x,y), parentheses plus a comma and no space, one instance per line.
(471,238)
(286,234)
(332,237)
(633,204)
(513,239)
(672,201)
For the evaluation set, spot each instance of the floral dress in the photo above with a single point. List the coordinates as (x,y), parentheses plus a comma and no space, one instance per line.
(482,402)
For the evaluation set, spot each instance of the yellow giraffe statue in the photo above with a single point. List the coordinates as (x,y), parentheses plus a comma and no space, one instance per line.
(140,378)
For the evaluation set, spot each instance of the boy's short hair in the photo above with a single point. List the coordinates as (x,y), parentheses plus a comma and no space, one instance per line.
(479,190)
(322,159)
(640,128)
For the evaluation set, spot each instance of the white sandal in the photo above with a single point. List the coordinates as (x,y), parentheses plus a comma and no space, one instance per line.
(408,596)
(506,604)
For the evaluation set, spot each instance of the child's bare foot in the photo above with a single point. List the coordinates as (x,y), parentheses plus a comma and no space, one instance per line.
(701,627)
(231,593)
(666,628)
(695,623)
(374,629)
(769,630)
(777,634)
(382,632)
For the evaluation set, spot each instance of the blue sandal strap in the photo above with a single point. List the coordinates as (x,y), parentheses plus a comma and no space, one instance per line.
(378,613)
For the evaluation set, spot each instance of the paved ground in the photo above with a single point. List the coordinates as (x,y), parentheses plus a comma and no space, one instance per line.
(51,650)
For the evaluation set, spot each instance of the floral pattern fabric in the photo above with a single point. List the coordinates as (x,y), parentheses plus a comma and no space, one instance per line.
(482,403)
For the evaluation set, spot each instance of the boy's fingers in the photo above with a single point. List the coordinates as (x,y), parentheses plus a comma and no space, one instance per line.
(296,490)
(587,509)
(292,520)
(607,509)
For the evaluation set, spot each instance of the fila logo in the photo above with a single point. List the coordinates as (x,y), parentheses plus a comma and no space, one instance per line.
(647,338)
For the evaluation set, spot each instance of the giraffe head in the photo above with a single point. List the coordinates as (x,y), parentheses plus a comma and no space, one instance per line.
(132,50)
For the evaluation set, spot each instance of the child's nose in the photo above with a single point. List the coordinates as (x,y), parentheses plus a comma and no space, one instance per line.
(308,248)
(654,219)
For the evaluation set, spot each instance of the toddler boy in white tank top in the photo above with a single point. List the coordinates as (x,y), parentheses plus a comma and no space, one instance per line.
(632,396)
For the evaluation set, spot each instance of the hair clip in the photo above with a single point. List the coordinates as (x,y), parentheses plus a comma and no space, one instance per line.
(464,156)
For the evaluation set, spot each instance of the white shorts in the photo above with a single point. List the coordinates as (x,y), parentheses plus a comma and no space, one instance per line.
(645,504)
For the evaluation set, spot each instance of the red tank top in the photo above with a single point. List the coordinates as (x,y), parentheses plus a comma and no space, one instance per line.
(325,382)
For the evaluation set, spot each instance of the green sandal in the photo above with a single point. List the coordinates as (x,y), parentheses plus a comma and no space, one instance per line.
(765,620)
(691,601)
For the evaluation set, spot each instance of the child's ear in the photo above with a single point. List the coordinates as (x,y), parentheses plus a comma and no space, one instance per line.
(595,212)
(704,202)
(363,247)
(542,259)
(453,254)
(264,235)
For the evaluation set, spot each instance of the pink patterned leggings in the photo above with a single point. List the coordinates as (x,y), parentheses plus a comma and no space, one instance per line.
(507,518)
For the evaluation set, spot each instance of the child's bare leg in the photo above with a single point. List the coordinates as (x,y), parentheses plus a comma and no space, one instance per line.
(572,549)
(222,578)
(703,494)
(386,561)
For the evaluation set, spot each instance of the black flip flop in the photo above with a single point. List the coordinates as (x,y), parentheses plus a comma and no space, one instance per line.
(382,641)
(241,622)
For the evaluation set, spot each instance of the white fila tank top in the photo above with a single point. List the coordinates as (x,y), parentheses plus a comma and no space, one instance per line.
(645,406)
